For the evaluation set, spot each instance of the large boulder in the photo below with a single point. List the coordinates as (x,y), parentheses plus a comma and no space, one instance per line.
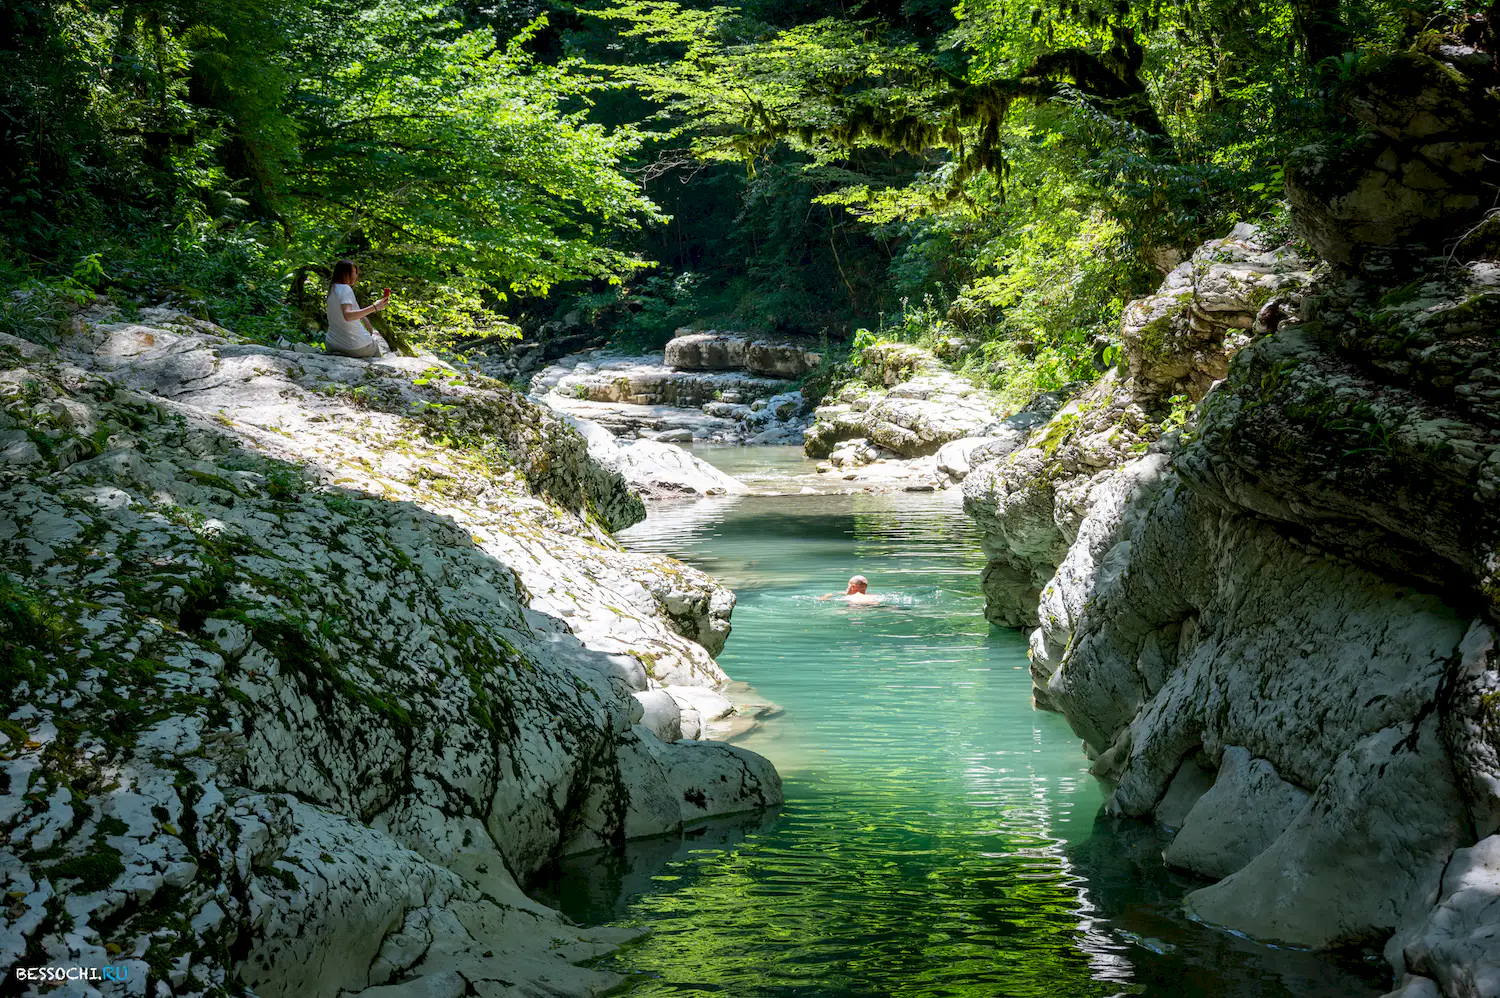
(705,352)
(361,657)
(1422,175)
(779,360)
(1369,848)
(715,351)
(1248,807)
(907,402)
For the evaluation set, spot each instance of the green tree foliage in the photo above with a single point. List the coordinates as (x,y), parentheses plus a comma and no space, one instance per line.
(1062,152)
(1020,168)
(238,145)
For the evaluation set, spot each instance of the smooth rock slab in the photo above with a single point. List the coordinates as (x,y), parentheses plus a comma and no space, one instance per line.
(1368,847)
(1244,811)
(1459,942)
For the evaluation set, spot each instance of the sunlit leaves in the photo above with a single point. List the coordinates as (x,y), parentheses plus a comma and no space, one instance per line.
(449,149)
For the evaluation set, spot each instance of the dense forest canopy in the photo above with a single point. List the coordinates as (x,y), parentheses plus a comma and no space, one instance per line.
(1008,171)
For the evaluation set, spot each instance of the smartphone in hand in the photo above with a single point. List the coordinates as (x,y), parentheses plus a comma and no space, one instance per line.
(386,292)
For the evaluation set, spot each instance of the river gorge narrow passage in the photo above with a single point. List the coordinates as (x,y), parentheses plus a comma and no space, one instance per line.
(939,834)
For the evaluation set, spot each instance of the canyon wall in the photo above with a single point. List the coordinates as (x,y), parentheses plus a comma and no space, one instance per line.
(1259,561)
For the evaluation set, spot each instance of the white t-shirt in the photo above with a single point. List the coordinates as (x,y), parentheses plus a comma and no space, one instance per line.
(343,334)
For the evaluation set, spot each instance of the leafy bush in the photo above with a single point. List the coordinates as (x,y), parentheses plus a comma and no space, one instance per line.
(211,156)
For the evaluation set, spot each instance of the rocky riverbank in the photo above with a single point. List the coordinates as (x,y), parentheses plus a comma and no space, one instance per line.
(909,421)
(311,662)
(707,387)
(1259,561)
(716,388)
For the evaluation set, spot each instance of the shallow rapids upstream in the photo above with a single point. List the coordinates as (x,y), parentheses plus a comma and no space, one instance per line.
(940,836)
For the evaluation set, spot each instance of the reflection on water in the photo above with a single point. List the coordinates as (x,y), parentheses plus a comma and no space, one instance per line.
(938,836)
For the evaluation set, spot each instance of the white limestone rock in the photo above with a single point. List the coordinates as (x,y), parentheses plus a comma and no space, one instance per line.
(954,457)
(711,779)
(923,406)
(1457,944)
(632,396)
(1189,784)
(661,470)
(710,705)
(707,351)
(1273,594)
(654,468)
(606,377)
(661,714)
(1359,856)
(716,351)
(1246,809)
(392,649)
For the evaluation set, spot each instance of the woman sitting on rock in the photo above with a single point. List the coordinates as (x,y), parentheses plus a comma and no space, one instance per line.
(349,332)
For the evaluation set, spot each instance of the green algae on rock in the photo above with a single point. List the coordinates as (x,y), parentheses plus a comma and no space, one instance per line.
(299,687)
(1273,624)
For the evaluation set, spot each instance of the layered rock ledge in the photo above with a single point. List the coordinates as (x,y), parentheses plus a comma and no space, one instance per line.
(310,663)
(1270,615)
(707,387)
(907,420)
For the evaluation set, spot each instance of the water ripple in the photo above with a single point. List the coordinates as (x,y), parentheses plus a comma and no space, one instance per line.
(937,838)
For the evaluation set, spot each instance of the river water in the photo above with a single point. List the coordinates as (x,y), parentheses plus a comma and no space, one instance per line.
(940,837)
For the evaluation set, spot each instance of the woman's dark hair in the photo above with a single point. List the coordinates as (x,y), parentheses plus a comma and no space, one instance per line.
(342,271)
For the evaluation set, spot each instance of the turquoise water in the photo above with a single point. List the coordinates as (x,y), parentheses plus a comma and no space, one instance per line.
(939,837)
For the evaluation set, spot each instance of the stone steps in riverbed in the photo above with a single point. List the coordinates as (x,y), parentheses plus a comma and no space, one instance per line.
(716,351)
(708,387)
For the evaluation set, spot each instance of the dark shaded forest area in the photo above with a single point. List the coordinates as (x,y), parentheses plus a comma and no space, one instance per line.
(1010,172)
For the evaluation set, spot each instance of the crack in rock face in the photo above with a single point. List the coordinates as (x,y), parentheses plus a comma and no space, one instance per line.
(1269,612)
(312,662)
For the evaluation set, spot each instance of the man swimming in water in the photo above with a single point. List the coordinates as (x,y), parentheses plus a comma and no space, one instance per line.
(856,593)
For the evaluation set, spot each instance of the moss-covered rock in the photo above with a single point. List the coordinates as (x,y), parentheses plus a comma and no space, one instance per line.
(308,662)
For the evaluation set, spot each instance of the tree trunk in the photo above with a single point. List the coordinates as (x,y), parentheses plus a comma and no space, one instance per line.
(1320,25)
(298,294)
